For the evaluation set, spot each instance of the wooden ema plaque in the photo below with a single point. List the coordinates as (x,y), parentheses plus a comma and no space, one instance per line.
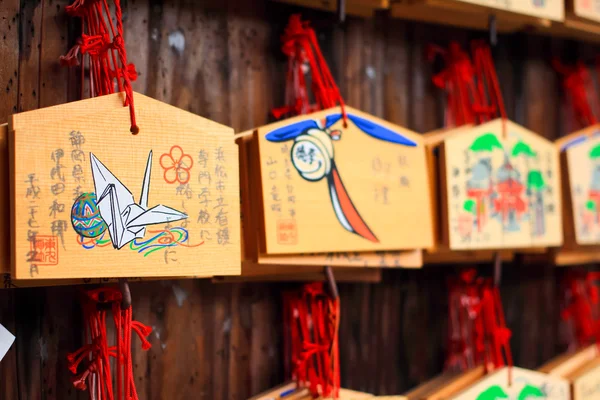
(329,188)
(87,203)
(546,9)
(525,384)
(256,263)
(581,369)
(582,184)
(587,9)
(290,390)
(501,192)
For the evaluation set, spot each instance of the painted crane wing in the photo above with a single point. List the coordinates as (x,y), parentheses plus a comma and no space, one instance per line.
(289,132)
(110,211)
(103,178)
(372,129)
(345,210)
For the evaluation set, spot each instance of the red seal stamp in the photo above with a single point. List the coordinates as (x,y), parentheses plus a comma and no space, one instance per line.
(287,232)
(44,250)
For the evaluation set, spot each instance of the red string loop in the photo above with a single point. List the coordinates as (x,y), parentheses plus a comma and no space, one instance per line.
(105,47)
(578,86)
(477,329)
(311,320)
(300,45)
(97,354)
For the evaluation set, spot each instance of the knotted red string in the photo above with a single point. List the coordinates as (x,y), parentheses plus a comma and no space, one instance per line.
(491,103)
(458,80)
(311,320)
(105,47)
(300,45)
(582,308)
(477,329)
(97,376)
(580,92)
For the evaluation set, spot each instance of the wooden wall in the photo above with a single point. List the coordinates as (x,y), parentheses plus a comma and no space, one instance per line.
(221,59)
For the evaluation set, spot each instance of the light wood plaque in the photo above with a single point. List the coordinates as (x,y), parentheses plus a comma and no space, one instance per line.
(587,9)
(586,381)
(583,174)
(252,228)
(501,192)
(548,9)
(187,166)
(525,384)
(326,188)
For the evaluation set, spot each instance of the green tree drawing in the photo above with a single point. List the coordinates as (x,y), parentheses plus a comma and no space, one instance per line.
(470,206)
(493,393)
(535,180)
(595,152)
(486,143)
(496,392)
(590,205)
(522,148)
(530,391)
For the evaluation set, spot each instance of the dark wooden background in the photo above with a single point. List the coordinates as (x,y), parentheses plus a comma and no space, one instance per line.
(223,341)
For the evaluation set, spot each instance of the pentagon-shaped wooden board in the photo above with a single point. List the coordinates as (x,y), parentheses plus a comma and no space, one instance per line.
(190,208)
(329,188)
(251,229)
(525,384)
(583,166)
(502,192)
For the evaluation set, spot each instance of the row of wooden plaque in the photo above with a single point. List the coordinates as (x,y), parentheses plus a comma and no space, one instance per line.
(572,376)
(187,198)
(578,19)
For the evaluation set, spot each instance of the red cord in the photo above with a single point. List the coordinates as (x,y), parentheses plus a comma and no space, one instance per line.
(300,44)
(481,338)
(578,86)
(105,47)
(312,320)
(490,95)
(97,376)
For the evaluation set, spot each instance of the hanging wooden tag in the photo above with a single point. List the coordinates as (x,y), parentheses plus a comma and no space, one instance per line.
(252,210)
(525,384)
(290,390)
(581,369)
(329,188)
(547,9)
(587,9)
(92,200)
(581,185)
(501,192)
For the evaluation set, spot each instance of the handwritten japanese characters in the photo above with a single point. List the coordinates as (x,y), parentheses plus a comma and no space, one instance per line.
(92,200)
(335,185)
(502,188)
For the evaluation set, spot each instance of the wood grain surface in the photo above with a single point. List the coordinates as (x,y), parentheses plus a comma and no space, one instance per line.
(222,60)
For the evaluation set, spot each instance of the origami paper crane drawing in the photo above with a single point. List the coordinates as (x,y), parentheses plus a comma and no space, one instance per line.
(313,157)
(125,219)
